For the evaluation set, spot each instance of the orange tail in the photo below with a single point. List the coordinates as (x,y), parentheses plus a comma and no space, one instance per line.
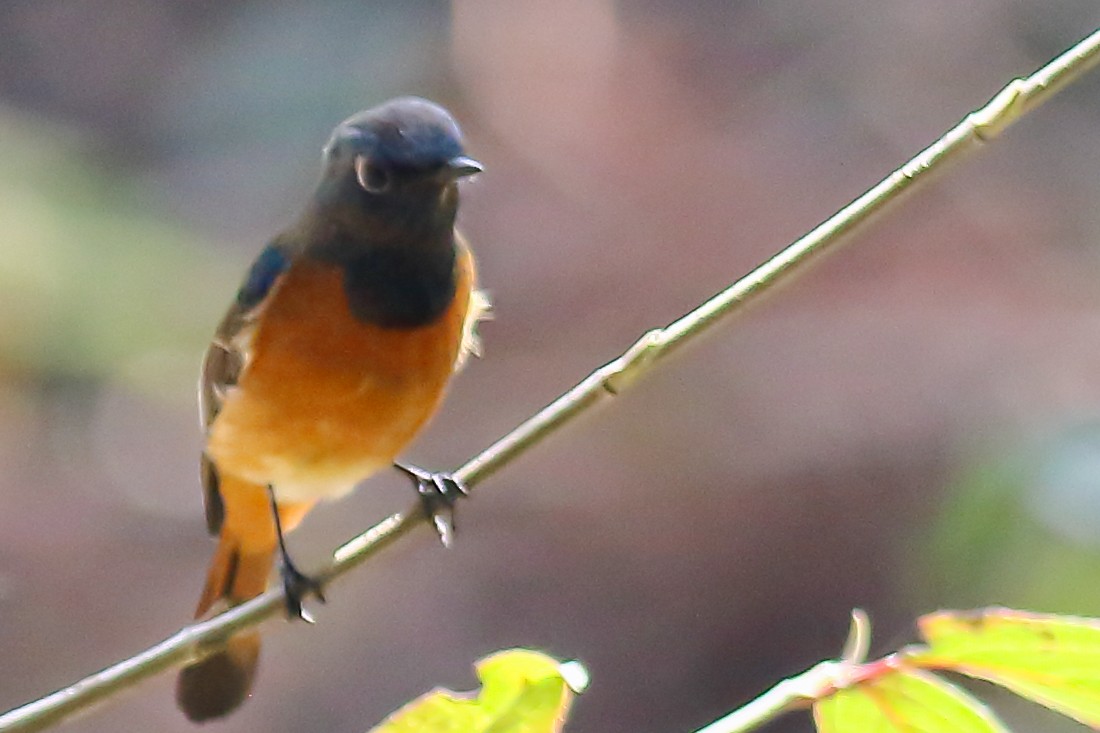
(239,571)
(218,684)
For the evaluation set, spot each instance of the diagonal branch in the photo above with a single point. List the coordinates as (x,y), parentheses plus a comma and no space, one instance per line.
(191,643)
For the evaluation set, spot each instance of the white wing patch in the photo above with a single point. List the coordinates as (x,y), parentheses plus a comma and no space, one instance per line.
(479,309)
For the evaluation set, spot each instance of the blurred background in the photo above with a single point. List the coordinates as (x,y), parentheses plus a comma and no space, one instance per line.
(914,425)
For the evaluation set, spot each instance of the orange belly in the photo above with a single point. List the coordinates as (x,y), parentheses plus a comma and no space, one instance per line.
(326,400)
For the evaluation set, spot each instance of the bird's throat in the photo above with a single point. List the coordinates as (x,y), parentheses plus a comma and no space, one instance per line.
(398,287)
(397,255)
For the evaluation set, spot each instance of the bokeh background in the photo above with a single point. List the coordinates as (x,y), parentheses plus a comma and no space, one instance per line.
(914,424)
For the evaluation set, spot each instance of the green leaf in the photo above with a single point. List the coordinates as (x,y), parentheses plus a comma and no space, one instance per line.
(903,701)
(1052,660)
(522,692)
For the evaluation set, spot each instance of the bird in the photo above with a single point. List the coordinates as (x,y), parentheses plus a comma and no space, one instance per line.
(335,353)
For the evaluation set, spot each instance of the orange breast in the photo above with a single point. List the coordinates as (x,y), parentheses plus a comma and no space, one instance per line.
(326,400)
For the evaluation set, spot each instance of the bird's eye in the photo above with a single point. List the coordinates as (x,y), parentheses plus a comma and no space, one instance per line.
(372,177)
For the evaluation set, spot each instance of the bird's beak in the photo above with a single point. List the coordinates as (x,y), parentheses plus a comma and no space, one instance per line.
(463,166)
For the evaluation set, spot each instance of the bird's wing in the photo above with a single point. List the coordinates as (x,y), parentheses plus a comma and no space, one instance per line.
(478,308)
(228,355)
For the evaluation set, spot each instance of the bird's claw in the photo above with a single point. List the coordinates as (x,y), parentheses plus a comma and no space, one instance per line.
(297,586)
(438,492)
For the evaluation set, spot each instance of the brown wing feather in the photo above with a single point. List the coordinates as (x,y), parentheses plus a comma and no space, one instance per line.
(225,359)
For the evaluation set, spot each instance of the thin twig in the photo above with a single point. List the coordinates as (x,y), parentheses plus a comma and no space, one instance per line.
(193,642)
(801,690)
(787,695)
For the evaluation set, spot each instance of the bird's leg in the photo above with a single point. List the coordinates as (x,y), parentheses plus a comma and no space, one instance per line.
(438,492)
(296,584)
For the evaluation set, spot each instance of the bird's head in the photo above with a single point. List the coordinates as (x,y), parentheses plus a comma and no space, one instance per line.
(397,149)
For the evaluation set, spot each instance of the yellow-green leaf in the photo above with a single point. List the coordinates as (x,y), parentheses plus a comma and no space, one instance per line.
(1053,660)
(903,701)
(522,692)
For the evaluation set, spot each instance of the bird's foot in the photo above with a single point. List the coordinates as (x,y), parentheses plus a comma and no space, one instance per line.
(438,491)
(297,586)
